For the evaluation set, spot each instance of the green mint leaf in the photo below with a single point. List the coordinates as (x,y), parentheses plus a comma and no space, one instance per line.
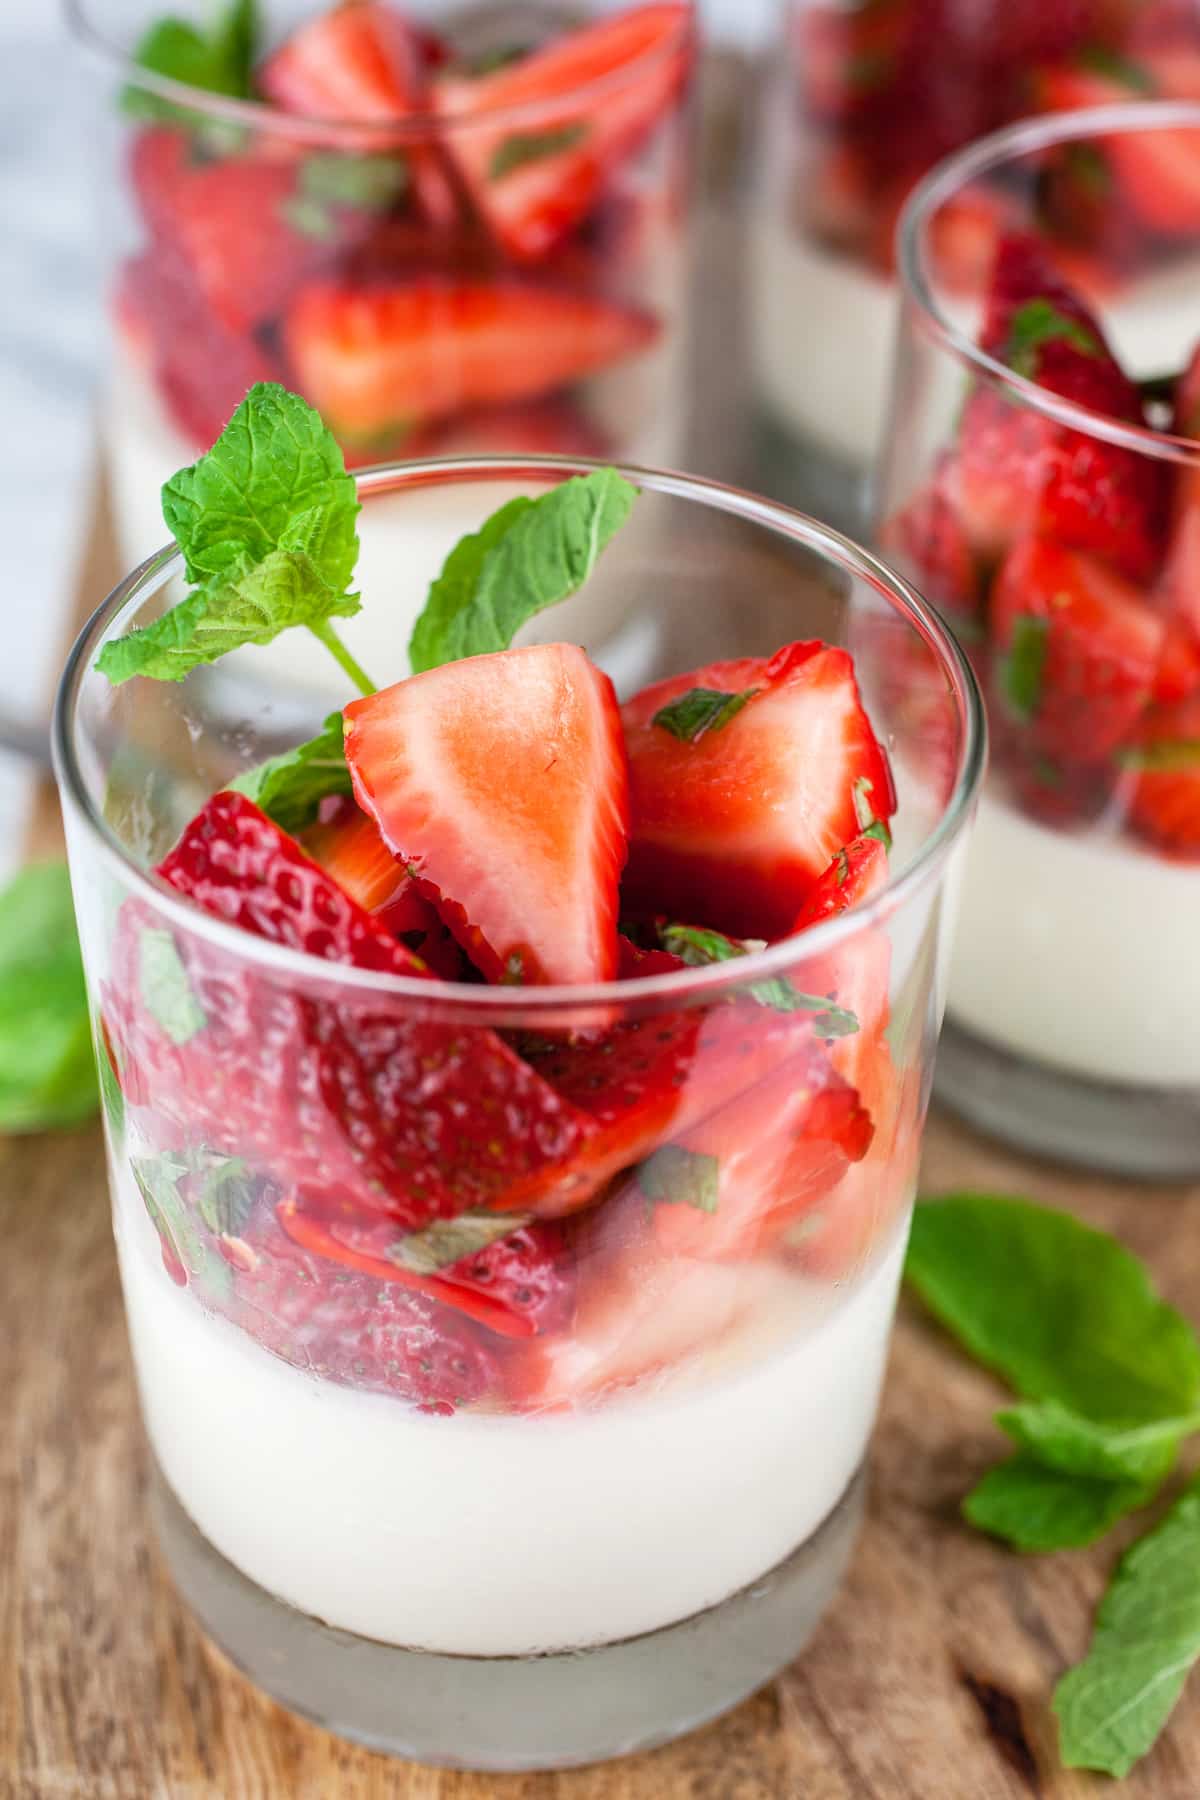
(164,988)
(529,555)
(864,812)
(266,523)
(1021,666)
(1168,755)
(1062,1439)
(158,1178)
(681,1177)
(290,787)
(1063,1312)
(1112,1707)
(696,946)
(330,180)
(700,710)
(111,1097)
(448,1241)
(218,61)
(1089,168)
(1039,1509)
(227,1196)
(47,1066)
(1039,322)
(532,146)
(1116,68)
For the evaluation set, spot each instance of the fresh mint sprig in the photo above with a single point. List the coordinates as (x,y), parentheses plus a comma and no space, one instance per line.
(218,60)
(1109,1376)
(266,521)
(697,947)
(290,787)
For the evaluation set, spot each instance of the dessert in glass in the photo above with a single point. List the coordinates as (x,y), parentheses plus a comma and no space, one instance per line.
(454,228)
(863,98)
(1041,485)
(515,1092)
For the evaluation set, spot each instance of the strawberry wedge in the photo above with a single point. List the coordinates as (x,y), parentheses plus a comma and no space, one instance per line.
(746,778)
(386,358)
(501,780)
(533,150)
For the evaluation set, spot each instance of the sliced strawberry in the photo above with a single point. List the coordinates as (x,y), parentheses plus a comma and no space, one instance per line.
(385,359)
(334,1091)
(855,975)
(1078,649)
(349,848)
(537,428)
(964,234)
(228,223)
(732,1184)
(535,139)
(501,779)
(929,540)
(857,872)
(845,55)
(734,820)
(1165,802)
(353,1329)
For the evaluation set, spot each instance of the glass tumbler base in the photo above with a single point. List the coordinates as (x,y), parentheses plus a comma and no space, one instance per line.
(519,1712)
(799,472)
(1147,1133)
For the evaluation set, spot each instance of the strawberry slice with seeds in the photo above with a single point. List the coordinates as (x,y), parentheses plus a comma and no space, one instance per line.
(350,849)
(338,1092)
(745,778)
(1165,756)
(501,780)
(929,539)
(535,153)
(381,360)
(1077,648)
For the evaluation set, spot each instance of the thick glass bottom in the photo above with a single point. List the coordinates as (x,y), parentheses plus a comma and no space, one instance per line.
(1149,1133)
(804,475)
(522,1712)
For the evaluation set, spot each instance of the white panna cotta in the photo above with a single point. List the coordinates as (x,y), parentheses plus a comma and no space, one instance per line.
(483,1534)
(1078,950)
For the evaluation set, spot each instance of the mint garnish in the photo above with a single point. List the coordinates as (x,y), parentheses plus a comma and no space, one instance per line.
(227,1196)
(1022,666)
(1102,61)
(676,1176)
(47,1068)
(331,179)
(158,1178)
(1066,1440)
(529,555)
(266,523)
(290,787)
(700,710)
(1113,1705)
(448,1241)
(532,146)
(697,946)
(1040,322)
(218,61)
(1037,1508)
(164,988)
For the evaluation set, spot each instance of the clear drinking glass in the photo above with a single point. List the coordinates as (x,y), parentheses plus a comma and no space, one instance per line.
(500,269)
(1057,538)
(396,1516)
(863,98)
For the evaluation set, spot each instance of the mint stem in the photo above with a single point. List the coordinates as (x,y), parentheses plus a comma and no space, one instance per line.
(325,634)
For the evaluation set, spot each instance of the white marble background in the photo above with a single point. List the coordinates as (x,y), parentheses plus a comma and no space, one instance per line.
(50,258)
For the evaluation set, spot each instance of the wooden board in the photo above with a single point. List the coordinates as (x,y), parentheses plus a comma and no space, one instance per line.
(929,1679)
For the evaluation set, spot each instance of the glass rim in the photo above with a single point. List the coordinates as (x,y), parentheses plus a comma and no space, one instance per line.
(264,115)
(487,1003)
(983,157)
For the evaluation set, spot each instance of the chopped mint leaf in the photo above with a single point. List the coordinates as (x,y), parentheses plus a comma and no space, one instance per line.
(227,1196)
(1113,1705)
(1089,168)
(47,1067)
(697,947)
(681,1177)
(1168,755)
(1117,68)
(158,1178)
(1062,1439)
(1040,322)
(700,710)
(1039,1509)
(290,787)
(266,524)
(165,990)
(218,61)
(1063,1312)
(864,812)
(529,555)
(1022,665)
(328,180)
(448,1241)
(111,1097)
(532,146)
